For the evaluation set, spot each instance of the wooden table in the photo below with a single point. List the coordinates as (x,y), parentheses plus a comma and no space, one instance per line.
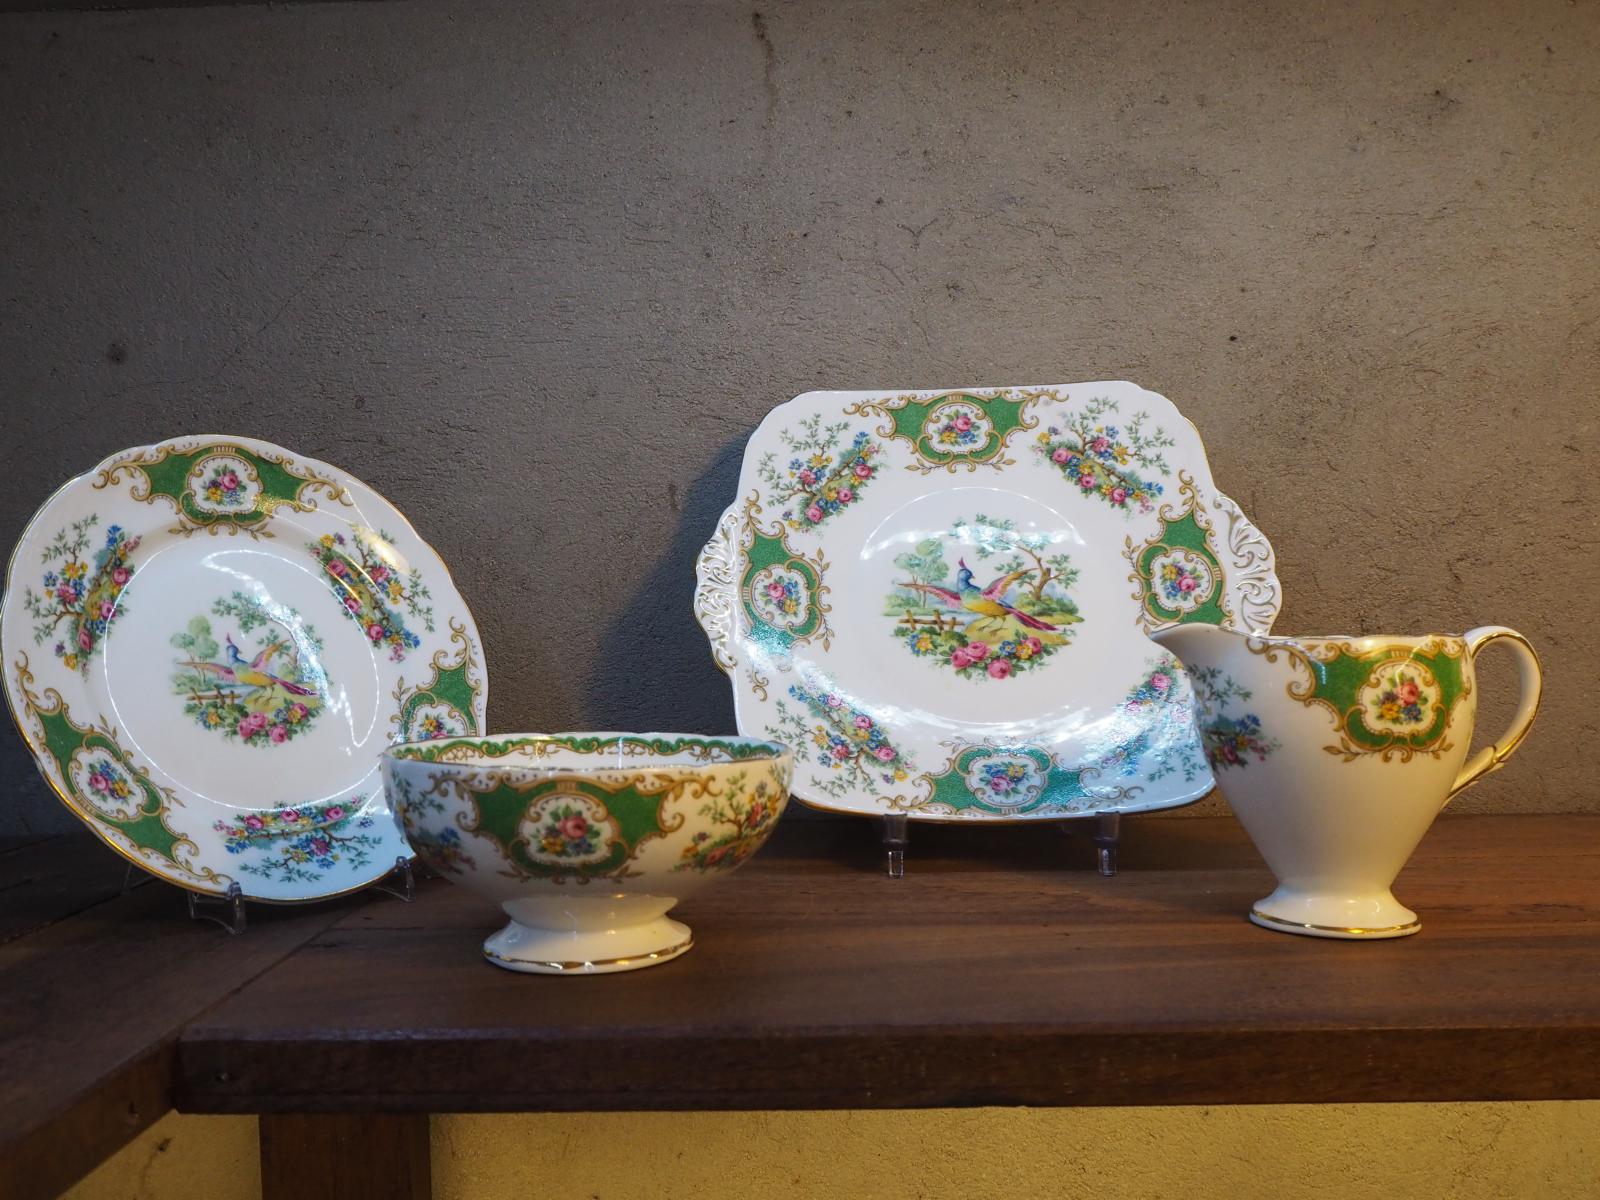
(1001,971)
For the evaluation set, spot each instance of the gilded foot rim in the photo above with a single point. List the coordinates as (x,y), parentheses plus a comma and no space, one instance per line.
(1352,933)
(538,951)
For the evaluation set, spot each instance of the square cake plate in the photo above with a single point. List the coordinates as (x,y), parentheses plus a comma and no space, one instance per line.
(940,599)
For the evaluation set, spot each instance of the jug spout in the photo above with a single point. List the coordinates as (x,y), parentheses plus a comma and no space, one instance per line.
(1197,643)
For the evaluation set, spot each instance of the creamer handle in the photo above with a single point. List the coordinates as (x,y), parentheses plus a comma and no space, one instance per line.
(1493,756)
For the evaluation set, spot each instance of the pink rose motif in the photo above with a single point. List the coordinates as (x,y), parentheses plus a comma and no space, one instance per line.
(334,813)
(1000,783)
(229,481)
(775,590)
(85,639)
(99,782)
(375,632)
(1034,644)
(960,659)
(1160,681)
(1408,692)
(862,471)
(352,603)
(814,513)
(807,477)
(66,593)
(832,701)
(1086,481)
(962,423)
(277,734)
(336,568)
(252,725)
(1119,495)
(884,753)
(1100,445)
(978,651)
(291,815)
(574,828)
(846,495)
(1188,584)
(1059,456)
(863,722)
(999,668)
(121,575)
(379,574)
(107,608)
(254,822)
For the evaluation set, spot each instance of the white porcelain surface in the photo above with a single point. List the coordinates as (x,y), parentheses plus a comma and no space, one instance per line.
(941,600)
(587,840)
(1337,753)
(208,641)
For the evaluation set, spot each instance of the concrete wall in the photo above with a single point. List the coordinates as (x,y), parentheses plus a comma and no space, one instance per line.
(536,270)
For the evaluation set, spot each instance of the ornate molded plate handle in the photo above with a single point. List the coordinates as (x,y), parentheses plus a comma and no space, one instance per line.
(1250,571)
(1493,756)
(716,573)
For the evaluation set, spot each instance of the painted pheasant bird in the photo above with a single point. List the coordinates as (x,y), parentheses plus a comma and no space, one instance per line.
(988,604)
(250,674)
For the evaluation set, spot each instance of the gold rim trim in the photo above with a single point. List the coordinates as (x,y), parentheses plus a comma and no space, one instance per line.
(562,967)
(1354,929)
(481,690)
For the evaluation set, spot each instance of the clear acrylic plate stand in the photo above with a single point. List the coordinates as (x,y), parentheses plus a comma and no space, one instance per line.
(228,911)
(1106,836)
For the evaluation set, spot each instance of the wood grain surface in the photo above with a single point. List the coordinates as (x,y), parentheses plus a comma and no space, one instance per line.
(1000,971)
(95,984)
(345,1156)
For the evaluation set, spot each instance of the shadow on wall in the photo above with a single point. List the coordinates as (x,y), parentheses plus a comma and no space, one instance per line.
(655,672)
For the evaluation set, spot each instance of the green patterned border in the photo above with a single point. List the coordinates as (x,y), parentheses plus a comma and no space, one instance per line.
(1339,673)
(453,686)
(61,739)
(168,473)
(764,551)
(633,810)
(907,418)
(949,789)
(1180,530)
(705,750)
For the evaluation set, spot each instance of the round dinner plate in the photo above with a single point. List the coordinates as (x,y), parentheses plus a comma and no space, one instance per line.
(940,600)
(208,642)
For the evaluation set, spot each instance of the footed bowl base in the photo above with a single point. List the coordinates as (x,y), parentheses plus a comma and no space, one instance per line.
(536,951)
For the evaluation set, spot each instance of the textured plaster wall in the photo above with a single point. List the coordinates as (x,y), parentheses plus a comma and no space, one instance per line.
(1327,1152)
(537,270)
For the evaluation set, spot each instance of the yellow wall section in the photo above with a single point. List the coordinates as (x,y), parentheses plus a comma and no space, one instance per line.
(1338,1152)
